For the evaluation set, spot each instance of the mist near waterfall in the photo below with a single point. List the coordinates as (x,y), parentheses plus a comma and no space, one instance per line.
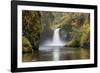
(55,41)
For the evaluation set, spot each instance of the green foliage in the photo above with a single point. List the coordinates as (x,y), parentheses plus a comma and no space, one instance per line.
(85,37)
(80,30)
(32,27)
(26,45)
(47,17)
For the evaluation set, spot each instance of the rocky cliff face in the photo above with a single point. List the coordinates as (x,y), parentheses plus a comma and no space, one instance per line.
(31,22)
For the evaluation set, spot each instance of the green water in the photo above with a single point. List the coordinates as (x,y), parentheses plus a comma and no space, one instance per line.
(56,54)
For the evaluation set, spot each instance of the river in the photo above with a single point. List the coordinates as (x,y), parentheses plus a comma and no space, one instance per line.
(56,54)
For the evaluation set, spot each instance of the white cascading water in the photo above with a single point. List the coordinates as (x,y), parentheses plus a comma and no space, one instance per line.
(56,39)
(54,45)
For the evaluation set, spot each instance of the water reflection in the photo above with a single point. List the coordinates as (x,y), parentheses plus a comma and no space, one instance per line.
(57,53)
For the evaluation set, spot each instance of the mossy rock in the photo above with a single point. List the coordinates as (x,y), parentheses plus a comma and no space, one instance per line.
(26,45)
(73,43)
(32,27)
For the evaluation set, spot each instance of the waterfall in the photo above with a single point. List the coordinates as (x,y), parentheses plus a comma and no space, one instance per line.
(53,45)
(56,38)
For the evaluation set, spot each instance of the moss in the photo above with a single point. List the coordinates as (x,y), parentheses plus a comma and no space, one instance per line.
(85,38)
(32,27)
(81,37)
(72,43)
(26,45)
(80,34)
